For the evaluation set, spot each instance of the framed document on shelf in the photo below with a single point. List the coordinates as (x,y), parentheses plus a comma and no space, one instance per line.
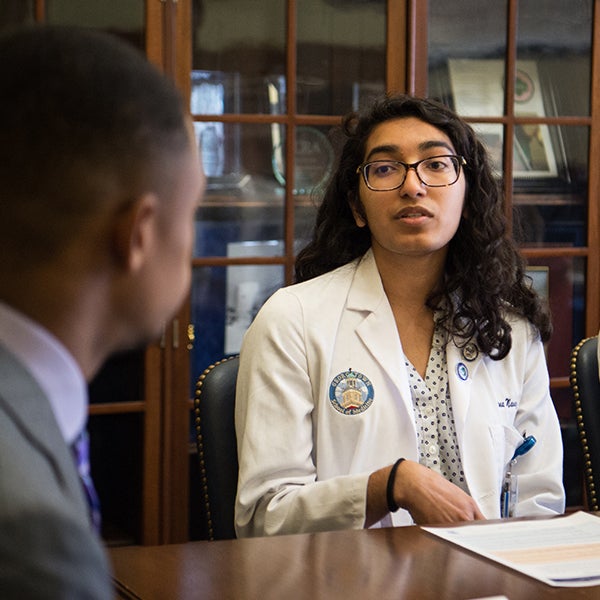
(478,91)
(539,276)
(556,282)
(248,286)
(540,282)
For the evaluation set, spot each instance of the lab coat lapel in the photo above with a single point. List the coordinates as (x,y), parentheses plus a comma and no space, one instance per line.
(460,379)
(376,326)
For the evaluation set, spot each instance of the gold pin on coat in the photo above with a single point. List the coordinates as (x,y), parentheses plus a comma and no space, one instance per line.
(470,352)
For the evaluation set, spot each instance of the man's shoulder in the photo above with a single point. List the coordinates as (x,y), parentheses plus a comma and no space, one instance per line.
(47,546)
(49,553)
(37,469)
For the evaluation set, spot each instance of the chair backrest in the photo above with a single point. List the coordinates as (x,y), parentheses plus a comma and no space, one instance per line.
(586,391)
(214,406)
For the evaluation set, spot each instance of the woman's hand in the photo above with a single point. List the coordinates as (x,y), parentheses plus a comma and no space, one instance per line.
(430,498)
(427,496)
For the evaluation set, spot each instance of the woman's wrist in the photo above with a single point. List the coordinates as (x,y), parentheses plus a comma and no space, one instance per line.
(391,502)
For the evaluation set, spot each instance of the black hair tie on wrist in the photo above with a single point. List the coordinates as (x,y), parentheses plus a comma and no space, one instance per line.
(392,506)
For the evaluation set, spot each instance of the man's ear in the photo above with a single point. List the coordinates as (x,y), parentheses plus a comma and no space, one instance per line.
(135,232)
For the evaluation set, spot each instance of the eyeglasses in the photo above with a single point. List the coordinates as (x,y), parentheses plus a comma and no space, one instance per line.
(435,171)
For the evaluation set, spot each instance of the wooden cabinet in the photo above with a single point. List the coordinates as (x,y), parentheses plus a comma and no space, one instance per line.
(267,83)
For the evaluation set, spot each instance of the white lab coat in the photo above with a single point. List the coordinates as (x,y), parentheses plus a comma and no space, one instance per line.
(304,465)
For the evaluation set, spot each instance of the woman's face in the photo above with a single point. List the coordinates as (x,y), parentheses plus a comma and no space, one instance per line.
(414,219)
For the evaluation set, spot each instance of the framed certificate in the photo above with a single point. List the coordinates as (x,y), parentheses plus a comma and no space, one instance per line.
(478,91)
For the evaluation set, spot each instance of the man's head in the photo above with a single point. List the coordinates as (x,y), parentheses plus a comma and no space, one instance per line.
(97,170)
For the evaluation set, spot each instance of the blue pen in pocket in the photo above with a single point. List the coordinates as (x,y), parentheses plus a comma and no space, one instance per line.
(510,486)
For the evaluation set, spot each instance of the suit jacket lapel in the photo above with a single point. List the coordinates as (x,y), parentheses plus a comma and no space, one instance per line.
(25,403)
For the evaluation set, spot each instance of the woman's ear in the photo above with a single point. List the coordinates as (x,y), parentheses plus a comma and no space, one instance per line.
(358,211)
(135,227)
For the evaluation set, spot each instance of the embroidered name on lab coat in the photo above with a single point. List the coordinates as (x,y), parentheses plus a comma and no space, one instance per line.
(351,392)
(507,403)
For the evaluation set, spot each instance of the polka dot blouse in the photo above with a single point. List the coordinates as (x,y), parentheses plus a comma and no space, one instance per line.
(436,432)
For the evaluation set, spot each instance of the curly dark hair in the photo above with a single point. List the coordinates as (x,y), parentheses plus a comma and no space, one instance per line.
(484,272)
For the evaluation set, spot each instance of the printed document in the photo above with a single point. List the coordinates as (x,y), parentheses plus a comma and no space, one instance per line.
(561,551)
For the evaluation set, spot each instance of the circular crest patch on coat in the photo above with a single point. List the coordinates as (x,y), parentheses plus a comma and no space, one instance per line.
(351,392)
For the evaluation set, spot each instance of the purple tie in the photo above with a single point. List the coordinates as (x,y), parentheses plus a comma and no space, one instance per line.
(81,450)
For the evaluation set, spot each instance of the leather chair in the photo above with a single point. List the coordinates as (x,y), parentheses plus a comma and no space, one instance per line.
(586,391)
(214,405)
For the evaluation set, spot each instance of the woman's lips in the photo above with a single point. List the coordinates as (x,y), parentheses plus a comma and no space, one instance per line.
(413,212)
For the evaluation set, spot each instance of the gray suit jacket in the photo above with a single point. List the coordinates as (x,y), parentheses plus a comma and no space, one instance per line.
(47,546)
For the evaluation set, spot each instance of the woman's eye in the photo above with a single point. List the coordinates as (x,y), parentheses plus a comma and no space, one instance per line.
(437,164)
(383,169)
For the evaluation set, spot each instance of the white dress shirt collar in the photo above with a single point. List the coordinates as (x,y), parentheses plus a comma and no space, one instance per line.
(51,365)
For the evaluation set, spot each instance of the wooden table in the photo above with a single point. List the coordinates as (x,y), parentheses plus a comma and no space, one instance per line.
(402,562)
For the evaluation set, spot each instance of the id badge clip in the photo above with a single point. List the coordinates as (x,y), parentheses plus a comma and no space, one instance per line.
(510,485)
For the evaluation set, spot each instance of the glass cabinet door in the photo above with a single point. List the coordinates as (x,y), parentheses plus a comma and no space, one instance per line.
(550,178)
(545,121)
(124,18)
(340,55)
(237,83)
(268,85)
(520,71)
(16,12)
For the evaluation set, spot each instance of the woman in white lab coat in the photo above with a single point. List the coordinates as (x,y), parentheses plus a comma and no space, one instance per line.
(394,382)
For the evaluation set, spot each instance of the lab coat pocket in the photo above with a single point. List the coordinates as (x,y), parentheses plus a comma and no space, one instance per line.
(505,440)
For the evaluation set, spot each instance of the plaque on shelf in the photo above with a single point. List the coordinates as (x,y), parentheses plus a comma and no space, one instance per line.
(218,93)
(314,159)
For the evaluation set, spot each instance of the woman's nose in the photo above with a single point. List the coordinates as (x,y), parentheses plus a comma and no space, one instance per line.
(412,184)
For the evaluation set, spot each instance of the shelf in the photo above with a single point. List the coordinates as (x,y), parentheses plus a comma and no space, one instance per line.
(533,199)
(109,408)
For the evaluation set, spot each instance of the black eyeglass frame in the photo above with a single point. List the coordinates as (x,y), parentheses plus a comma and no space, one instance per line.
(460,161)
